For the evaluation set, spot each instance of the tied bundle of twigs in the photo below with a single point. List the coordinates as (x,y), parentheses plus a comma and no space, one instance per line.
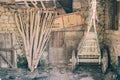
(34,26)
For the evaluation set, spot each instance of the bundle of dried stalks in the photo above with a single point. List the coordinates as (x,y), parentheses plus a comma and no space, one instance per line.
(34,26)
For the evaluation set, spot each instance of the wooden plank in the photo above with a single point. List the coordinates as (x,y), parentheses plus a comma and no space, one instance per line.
(3,41)
(72,20)
(43,5)
(89,60)
(5,59)
(58,23)
(14,54)
(66,20)
(69,20)
(7,49)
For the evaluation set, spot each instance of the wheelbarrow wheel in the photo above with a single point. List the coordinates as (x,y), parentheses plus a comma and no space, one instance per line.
(74,61)
(104,61)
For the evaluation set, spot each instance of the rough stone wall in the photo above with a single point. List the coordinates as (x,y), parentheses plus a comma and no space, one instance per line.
(8,25)
(113,38)
(101,14)
(7,21)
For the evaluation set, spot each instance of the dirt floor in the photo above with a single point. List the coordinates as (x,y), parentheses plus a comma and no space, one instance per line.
(84,72)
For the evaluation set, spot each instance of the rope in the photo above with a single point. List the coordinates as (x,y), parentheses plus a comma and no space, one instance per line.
(92,20)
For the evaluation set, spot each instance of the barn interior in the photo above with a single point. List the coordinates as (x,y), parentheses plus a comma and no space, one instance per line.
(59,40)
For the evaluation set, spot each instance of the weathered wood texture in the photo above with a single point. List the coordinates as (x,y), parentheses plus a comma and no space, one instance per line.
(8,55)
(68,20)
(57,55)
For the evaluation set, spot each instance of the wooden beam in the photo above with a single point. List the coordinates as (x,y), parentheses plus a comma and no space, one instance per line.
(6,49)
(5,59)
(62,30)
(43,5)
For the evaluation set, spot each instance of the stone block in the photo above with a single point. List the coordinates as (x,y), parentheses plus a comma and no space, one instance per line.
(11,21)
(2,9)
(8,13)
(13,25)
(1,20)
(8,24)
(4,17)
(0,29)
(5,21)
(10,29)
(3,25)
(16,30)
(11,18)
(4,29)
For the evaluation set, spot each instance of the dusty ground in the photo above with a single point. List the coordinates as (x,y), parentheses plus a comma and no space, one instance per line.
(83,72)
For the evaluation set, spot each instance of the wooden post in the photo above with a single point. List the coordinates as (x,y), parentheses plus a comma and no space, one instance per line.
(43,5)
(14,51)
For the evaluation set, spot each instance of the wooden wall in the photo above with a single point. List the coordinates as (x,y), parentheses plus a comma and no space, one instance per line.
(68,20)
(6,45)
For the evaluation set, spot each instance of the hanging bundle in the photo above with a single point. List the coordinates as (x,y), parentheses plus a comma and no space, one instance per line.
(89,46)
(34,26)
(92,18)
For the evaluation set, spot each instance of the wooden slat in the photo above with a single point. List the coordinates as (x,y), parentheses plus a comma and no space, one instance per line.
(7,49)
(5,59)
(89,60)
(69,20)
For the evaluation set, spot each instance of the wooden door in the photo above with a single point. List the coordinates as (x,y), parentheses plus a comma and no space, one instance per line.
(56,49)
(6,42)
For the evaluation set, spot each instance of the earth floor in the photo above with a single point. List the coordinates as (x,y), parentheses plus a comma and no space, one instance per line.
(82,72)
